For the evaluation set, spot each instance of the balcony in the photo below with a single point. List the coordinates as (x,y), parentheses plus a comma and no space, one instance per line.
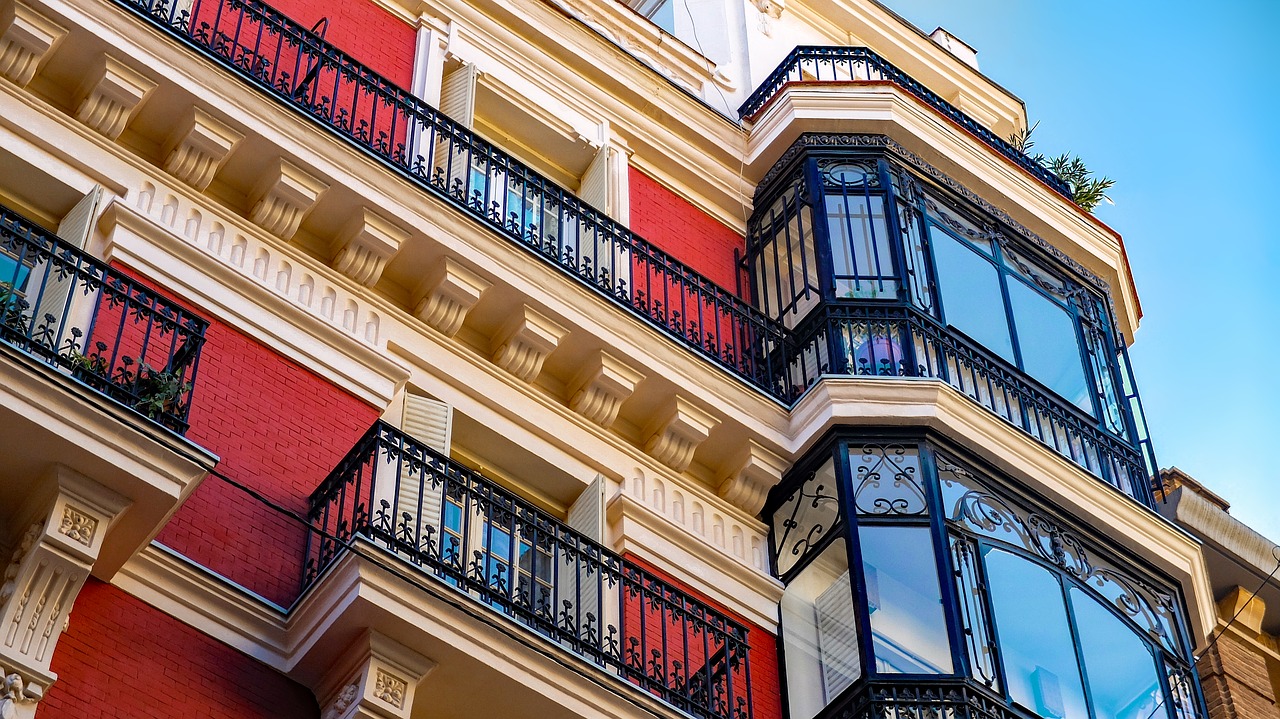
(829,65)
(463,531)
(118,337)
(414,140)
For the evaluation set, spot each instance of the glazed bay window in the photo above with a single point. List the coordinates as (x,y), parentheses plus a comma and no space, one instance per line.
(901,562)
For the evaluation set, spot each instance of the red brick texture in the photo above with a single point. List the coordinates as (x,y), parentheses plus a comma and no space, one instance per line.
(690,235)
(277,428)
(364,31)
(1237,682)
(762,646)
(122,659)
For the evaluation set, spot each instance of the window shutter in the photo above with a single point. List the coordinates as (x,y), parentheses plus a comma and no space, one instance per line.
(51,288)
(430,422)
(837,637)
(580,583)
(458,95)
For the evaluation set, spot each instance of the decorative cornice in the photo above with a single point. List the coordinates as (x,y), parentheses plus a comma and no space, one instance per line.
(758,470)
(448,294)
(26,42)
(600,388)
(525,343)
(365,246)
(282,197)
(110,95)
(198,147)
(674,437)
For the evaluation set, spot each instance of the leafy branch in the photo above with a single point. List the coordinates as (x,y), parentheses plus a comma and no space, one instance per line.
(1086,190)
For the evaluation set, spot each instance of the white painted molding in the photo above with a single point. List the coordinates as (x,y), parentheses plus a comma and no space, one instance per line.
(365,245)
(525,342)
(676,434)
(198,147)
(26,41)
(600,388)
(757,471)
(110,95)
(448,294)
(283,195)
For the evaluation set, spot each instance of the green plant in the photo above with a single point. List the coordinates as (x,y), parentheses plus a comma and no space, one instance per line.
(11,307)
(84,365)
(1086,190)
(159,392)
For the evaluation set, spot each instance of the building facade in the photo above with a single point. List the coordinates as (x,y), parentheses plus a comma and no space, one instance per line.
(562,358)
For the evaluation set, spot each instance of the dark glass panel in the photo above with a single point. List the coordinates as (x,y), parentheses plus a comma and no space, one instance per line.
(806,517)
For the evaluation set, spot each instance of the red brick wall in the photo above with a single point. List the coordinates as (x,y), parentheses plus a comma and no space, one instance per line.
(690,235)
(1236,681)
(278,428)
(364,31)
(122,659)
(766,691)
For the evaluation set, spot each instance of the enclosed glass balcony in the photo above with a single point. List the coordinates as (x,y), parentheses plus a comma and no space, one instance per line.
(915,576)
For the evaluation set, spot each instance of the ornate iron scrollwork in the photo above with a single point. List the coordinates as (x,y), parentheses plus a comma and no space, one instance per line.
(887,481)
(809,514)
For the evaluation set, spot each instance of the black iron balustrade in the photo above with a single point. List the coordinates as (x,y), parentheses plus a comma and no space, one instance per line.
(470,534)
(916,699)
(879,340)
(296,66)
(809,63)
(73,312)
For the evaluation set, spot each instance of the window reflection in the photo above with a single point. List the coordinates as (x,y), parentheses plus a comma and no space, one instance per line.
(1050,348)
(861,256)
(820,636)
(908,627)
(971,296)
(1120,668)
(1036,647)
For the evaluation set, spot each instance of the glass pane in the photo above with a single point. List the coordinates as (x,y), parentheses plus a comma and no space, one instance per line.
(1036,647)
(806,517)
(970,291)
(908,628)
(1123,681)
(979,643)
(785,264)
(861,256)
(1050,349)
(820,635)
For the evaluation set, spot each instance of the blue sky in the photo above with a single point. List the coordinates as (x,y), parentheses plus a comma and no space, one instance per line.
(1177,101)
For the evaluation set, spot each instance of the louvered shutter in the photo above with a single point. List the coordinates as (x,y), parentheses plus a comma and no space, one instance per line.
(837,637)
(580,582)
(430,422)
(453,154)
(51,282)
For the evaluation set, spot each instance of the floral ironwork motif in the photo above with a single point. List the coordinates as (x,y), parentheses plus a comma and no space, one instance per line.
(973,506)
(886,480)
(809,514)
(462,529)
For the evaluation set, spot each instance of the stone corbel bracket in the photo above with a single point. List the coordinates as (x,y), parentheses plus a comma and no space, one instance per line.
(26,40)
(674,437)
(448,294)
(771,8)
(198,148)
(365,246)
(599,389)
(756,472)
(282,197)
(525,342)
(377,678)
(110,95)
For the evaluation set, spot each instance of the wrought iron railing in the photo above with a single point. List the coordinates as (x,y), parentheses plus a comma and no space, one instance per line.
(470,534)
(288,61)
(871,340)
(297,67)
(916,699)
(72,312)
(852,64)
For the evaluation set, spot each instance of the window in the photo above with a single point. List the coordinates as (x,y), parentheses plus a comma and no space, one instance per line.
(898,560)
(1008,304)
(862,254)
